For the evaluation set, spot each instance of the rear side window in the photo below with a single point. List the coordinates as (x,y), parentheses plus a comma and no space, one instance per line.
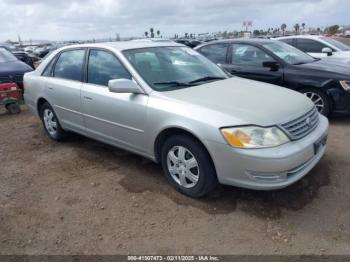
(310,46)
(215,52)
(104,66)
(69,65)
(289,41)
(48,69)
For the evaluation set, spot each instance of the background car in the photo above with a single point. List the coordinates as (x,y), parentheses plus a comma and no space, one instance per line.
(11,68)
(326,83)
(318,46)
(21,55)
(188,42)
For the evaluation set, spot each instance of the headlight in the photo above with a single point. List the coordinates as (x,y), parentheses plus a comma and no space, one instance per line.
(254,136)
(345,85)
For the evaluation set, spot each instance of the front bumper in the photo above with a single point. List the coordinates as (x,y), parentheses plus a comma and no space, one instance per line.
(269,168)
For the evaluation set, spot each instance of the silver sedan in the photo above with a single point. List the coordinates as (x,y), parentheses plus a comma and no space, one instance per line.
(170,104)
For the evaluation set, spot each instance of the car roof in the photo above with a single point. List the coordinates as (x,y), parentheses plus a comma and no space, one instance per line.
(125,45)
(238,40)
(300,36)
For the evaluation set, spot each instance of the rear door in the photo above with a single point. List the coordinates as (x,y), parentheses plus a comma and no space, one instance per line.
(64,86)
(247,61)
(116,118)
(215,52)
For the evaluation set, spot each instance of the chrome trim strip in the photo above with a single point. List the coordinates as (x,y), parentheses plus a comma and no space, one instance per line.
(102,120)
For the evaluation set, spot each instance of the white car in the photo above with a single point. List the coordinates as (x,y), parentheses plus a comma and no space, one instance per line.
(318,46)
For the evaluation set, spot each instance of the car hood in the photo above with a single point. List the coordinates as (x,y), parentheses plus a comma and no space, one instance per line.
(13,68)
(240,101)
(343,56)
(330,65)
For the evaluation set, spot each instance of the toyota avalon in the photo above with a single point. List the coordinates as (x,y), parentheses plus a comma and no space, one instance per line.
(168,103)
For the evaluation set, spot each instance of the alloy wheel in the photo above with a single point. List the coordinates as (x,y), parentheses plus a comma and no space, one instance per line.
(183,166)
(50,121)
(316,99)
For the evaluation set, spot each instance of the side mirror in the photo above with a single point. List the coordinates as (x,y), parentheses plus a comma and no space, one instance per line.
(273,65)
(124,86)
(327,50)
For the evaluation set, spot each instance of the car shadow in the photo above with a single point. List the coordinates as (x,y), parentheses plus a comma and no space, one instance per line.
(143,175)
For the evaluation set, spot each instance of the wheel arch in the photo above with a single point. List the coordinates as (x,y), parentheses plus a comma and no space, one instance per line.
(325,89)
(39,104)
(171,131)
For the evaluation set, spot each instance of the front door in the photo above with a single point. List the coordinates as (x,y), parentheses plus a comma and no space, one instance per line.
(247,61)
(117,118)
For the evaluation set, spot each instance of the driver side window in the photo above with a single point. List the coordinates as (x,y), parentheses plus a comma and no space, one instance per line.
(248,55)
(104,66)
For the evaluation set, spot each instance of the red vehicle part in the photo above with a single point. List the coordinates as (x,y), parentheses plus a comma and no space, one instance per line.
(10,95)
(9,90)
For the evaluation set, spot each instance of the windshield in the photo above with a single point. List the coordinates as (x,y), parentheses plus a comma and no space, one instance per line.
(337,44)
(6,56)
(170,68)
(288,53)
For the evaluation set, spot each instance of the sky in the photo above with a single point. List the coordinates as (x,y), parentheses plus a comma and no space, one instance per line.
(61,20)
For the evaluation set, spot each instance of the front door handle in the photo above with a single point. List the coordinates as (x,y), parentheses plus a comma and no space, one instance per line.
(87,98)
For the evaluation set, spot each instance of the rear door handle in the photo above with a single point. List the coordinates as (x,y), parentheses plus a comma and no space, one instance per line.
(50,87)
(87,98)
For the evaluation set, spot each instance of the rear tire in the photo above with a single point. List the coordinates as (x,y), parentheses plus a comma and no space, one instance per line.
(320,100)
(51,123)
(188,166)
(13,108)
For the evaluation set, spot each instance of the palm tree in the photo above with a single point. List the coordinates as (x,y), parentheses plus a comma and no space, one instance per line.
(303,25)
(152,32)
(297,27)
(158,33)
(283,28)
(146,34)
(186,35)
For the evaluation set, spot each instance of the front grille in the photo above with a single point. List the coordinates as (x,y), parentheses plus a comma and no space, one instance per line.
(302,126)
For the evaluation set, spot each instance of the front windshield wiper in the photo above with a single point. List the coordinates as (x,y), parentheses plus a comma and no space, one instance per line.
(207,78)
(300,63)
(173,83)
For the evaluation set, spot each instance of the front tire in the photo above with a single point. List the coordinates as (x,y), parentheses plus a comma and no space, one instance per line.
(51,123)
(320,100)
(188,166)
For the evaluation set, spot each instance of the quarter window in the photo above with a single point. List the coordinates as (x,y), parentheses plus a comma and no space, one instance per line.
(310,46)
(249,55)
(48,69)
(289,41)
(215,52)
(104,66)
(69,65)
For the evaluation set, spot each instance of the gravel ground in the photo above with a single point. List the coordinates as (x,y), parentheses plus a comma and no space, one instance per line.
(83,197)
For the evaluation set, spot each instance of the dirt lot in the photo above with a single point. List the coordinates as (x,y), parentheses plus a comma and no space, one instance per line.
(82,197)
